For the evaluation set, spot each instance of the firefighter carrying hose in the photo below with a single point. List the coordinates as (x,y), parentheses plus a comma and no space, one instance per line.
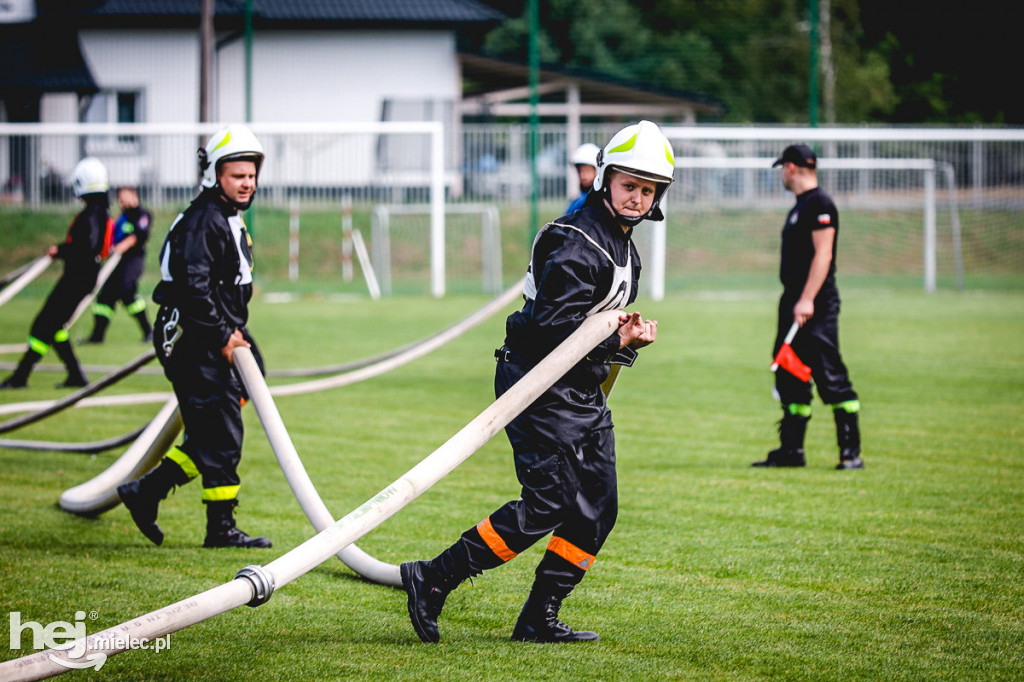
(86,245)
(206,272)
(563,444)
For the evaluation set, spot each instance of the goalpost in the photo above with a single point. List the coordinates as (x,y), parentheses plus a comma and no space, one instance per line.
(927,167)
(929,205)
(490,244)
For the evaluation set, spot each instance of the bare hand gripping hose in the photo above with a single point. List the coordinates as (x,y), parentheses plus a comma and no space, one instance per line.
(254,585)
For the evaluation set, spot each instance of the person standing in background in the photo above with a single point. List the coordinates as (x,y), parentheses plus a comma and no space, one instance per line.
(584,159)
(131,232)
(810,298)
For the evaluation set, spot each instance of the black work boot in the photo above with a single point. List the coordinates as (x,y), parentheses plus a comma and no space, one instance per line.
(142,497)
(790,452)
(99,329)
(428,583)
(848,438)
(221,530)
(76,377)
(538,621)
(19,379)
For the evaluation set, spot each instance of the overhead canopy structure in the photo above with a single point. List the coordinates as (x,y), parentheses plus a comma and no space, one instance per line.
(495,87)
(498,87)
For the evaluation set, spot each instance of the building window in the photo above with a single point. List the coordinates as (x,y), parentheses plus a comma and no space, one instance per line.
(113,107)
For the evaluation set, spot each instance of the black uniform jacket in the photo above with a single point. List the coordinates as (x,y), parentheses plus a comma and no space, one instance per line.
(581,264)
(814,210)
(206,270)
(82,250)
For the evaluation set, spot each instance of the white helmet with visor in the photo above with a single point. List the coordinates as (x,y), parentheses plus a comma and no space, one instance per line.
(231,143)
(585,155)
(90,177)
(640,150)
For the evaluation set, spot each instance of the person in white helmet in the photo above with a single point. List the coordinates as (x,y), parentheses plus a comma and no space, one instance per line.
(206,283)
(584,159)
(563,444)
(82,252)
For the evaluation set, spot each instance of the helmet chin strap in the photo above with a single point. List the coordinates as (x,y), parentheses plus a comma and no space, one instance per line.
(628,221)
(239,205)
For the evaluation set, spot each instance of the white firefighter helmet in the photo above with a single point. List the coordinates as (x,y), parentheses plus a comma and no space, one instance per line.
(90,177)
(640,150)
(585,155)
(231,143)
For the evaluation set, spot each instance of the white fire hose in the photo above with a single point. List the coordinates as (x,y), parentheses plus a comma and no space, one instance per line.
(254,585)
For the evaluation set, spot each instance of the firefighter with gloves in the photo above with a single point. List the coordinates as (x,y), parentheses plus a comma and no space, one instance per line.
(206,284)
(83,250)
(563,444)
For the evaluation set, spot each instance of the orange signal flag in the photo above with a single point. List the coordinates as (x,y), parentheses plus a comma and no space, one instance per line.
(788,360)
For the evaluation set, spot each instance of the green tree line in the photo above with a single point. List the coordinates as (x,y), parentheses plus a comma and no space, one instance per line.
(880,61)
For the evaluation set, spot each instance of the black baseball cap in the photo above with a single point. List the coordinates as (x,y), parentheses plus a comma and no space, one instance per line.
(799,154)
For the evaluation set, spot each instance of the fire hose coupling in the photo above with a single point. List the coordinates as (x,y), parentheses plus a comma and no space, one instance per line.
(262,584)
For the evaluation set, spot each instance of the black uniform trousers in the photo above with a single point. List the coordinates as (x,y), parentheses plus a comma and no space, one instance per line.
(61,303)
(564,450)
(817,345)
(210,395)
(123,284)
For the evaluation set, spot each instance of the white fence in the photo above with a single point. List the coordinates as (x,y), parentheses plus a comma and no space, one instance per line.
(939,207)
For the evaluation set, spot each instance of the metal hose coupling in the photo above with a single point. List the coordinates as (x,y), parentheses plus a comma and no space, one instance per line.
(262,584)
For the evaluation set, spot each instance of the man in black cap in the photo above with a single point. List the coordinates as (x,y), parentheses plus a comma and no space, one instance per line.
(811,299)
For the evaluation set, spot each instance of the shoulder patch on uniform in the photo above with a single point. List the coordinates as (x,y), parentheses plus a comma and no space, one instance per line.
(824,219)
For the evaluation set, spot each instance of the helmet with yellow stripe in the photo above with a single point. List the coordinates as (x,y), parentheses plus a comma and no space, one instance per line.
(640,150)
(231,143)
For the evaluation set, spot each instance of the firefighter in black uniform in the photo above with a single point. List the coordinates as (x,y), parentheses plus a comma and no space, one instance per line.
(82,252)
(563,444)
(206,273)
(131,232)
(810,297)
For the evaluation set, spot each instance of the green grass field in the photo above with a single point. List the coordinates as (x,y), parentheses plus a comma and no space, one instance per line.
(911,569)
